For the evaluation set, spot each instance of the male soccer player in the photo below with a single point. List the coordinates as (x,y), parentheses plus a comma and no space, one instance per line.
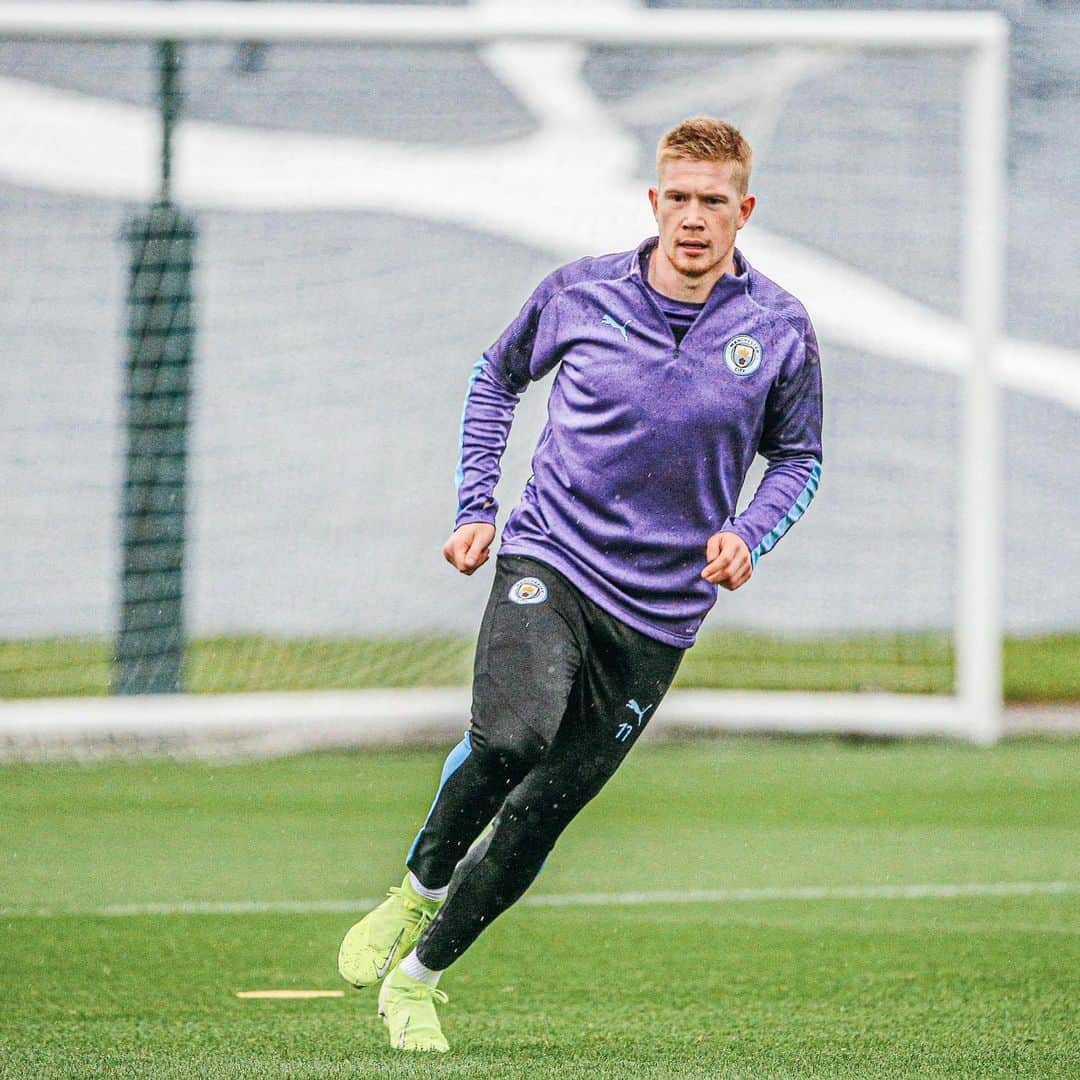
(677,363)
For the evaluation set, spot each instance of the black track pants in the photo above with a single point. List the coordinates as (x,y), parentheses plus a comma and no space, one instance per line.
(561,691)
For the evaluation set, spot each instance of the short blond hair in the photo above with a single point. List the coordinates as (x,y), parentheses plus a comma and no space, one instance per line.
(701,138)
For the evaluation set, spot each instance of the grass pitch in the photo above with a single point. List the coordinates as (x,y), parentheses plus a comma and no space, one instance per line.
(840,986)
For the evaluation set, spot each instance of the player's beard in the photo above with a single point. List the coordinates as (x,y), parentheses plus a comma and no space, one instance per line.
(696,266)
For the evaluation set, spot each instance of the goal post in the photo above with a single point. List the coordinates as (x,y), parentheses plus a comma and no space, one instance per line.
(979,622)
(975,340)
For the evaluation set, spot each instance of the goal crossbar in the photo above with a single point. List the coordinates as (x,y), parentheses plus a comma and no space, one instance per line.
(224,21)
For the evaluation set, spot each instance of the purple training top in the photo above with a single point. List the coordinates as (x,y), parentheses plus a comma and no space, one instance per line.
(647,442)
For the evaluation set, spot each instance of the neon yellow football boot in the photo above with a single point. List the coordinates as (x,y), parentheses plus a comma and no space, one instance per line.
(407,1007)
(385,936)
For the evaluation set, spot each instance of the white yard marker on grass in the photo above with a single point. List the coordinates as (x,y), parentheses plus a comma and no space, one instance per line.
(288,995)
(933,891)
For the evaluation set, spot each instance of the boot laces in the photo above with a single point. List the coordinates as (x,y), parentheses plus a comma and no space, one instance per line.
(423,992)
(420,915)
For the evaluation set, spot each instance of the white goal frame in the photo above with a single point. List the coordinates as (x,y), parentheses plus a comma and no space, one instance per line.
(974,711)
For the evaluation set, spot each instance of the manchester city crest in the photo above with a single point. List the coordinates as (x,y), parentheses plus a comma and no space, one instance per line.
(528,590)
(742,354)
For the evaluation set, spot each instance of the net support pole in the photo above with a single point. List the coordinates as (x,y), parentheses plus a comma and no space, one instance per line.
(981,554)
(160,343)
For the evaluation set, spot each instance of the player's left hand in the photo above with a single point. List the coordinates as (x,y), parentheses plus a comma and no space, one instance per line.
(728,560)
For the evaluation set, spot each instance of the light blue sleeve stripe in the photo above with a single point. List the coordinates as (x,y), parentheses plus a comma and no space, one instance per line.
(769,540)
(459,472)
(455,759)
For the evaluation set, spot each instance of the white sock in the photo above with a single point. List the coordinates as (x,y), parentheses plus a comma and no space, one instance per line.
(424,891)
(412,967)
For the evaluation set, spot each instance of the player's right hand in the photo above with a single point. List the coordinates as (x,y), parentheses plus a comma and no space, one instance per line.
(469,547)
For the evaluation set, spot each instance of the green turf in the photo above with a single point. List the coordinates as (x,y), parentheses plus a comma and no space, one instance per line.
(973,987)
(1045,668)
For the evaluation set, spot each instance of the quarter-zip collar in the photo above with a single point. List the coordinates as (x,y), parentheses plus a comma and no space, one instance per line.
(727,286)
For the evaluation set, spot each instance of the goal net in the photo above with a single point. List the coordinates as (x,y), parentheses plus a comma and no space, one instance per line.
(371,195)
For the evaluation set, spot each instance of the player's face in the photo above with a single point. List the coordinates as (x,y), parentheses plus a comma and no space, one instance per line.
(698,209)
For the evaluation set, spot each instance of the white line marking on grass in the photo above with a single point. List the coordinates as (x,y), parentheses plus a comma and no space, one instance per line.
(288,995)
(940,891)
(812,892)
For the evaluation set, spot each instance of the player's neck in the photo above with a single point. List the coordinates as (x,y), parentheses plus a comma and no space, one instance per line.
(666,279)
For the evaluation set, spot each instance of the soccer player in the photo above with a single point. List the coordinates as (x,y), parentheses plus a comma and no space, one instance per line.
(676,363)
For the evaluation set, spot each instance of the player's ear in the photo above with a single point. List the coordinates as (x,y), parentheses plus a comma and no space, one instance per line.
(746,208)
(654,201)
